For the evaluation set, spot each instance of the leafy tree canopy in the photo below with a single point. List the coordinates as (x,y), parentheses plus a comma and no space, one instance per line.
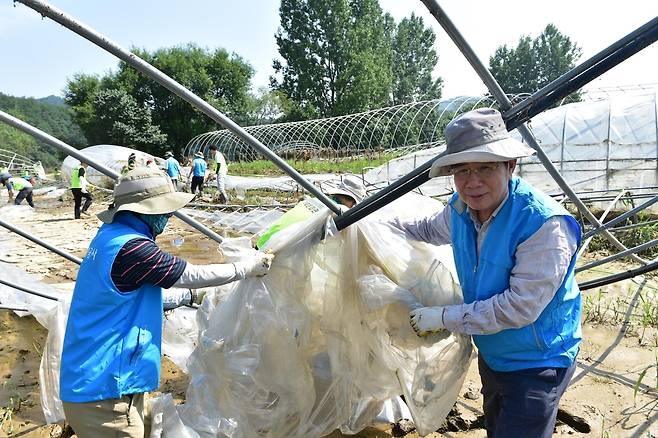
(54,119)
(533,63)
(346,56)
(414,59)
(154,119)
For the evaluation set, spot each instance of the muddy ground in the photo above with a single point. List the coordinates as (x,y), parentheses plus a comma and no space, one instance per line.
(620,343)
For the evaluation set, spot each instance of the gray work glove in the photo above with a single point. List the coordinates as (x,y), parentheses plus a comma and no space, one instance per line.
(257,266)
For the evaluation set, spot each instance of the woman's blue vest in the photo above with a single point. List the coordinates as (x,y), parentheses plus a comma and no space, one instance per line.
(554,338)
(112,340)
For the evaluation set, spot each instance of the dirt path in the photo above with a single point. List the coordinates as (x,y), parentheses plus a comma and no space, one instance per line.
(620,342)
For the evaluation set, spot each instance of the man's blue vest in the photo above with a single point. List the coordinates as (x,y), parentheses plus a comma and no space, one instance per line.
(554,338)
(112,340)
(199,167)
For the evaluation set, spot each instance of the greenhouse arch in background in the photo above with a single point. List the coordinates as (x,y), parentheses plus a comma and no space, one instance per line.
(14,162)
(407,127)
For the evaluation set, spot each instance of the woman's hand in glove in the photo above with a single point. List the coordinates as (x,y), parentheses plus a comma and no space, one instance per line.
(257,266)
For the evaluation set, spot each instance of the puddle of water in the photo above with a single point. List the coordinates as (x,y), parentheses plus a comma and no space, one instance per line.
(193,248)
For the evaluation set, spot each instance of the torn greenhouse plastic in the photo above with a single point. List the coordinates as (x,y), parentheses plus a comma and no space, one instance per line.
(304,350)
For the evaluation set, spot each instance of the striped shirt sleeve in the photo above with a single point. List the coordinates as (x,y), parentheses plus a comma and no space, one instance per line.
(141,262)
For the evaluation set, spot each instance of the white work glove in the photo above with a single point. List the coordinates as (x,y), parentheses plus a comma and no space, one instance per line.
(427,320)
(196,297)
(257,266)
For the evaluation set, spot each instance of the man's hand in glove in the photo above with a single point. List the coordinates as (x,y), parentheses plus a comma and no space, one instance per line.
(257,266)
(427,320)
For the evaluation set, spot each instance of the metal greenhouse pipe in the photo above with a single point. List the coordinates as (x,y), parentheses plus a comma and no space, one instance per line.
(47,138)
(647,245)
(621,217)
(144,67)
(598,282)
(38,241)
(29,291)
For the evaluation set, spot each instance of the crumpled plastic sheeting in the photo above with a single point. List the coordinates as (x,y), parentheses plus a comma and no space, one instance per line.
(303,350)
(282,183)
(251,221)
(112,156)
(50,314)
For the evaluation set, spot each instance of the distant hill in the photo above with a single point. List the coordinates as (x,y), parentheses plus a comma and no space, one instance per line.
(53,100)
(50,115)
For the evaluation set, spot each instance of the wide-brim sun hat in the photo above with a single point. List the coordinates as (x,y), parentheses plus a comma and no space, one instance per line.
(478,136)
(169,154)
(349,186)
(145,190)
(199,154)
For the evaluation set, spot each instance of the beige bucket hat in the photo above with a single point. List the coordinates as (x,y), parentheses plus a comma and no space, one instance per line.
(349,185)
(145,190)
(475,137)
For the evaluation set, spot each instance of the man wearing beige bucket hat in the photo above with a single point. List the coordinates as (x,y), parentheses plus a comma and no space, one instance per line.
(111,353)
(514,249)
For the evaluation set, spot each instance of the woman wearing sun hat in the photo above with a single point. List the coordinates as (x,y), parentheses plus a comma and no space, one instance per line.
(111,353)
(514,250)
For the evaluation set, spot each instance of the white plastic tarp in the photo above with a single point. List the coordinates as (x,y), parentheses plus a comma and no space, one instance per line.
(112,156)
(310,348)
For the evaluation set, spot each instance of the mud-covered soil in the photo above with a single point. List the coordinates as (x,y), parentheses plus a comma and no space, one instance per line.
(620,343)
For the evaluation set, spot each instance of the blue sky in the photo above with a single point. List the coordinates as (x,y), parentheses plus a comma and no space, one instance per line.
(38,55)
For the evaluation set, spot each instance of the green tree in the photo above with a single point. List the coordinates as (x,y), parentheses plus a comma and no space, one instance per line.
(120,118)
(54,119)
(413,61)
(220,78)
(336,56)
(533,63)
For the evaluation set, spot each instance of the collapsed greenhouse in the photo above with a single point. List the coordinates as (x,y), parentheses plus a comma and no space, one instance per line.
(322,342)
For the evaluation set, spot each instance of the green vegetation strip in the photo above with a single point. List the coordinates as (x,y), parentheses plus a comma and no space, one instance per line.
(351,165)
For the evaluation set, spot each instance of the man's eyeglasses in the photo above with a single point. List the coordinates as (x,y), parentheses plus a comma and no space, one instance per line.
(483,171)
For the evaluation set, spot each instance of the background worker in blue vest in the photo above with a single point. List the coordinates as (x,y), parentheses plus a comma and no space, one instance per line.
(21,186)
(79,190)
(514,249)
(198,173)
(172,167)
(111,353)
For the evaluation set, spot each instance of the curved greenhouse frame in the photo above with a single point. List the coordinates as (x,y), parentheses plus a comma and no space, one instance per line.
(416,125)
(14,162)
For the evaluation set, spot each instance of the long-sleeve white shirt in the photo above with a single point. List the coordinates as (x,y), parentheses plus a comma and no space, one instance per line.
(542,262)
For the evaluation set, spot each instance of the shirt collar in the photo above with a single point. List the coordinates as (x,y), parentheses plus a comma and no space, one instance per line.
(460,206)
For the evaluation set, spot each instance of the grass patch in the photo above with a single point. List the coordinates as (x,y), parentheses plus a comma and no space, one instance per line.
(337,165)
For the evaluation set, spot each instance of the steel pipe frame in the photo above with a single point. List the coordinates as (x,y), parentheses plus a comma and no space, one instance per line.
(47,138)
(38,241)
(586,241)
(621,218)
(598,282)
(29,291)
(144,67)
(619,255)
